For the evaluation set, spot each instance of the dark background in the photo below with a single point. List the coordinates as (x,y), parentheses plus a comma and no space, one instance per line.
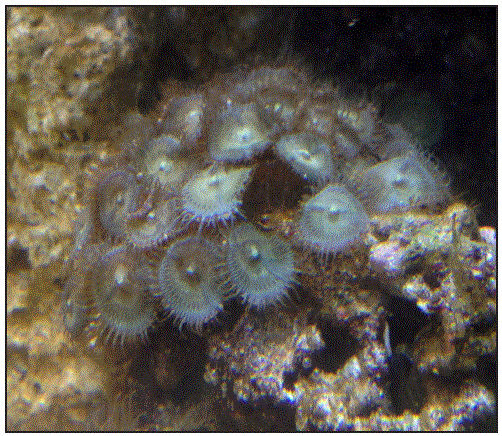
(447,52)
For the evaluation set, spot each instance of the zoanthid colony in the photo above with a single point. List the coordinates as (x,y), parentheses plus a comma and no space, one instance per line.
(177,215)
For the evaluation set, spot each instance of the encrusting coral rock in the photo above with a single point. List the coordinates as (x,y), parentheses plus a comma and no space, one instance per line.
(59,63)
(254,360)
(325,410)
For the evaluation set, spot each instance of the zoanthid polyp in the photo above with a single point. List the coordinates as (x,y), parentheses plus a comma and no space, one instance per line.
(360,119)
(214,195)
(309,155)
(402,183)
(238,134)
(185,118)
(122,295)
(116,198)
(148,227)
(331,221)
(260,266)
(77,295)
(159,161)
(281,92)
(190,281)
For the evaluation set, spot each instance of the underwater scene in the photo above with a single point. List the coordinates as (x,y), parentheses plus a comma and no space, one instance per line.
(251,219)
